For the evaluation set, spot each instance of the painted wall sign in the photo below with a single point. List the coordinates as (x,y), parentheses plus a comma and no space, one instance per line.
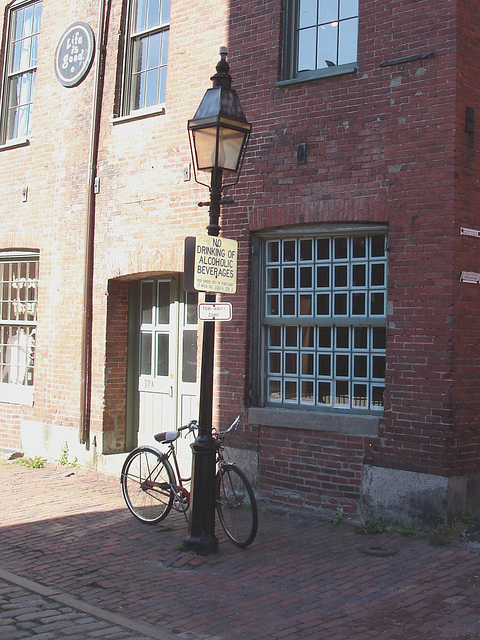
(74,54)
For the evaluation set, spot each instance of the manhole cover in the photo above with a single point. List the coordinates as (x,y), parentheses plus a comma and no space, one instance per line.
(381,551)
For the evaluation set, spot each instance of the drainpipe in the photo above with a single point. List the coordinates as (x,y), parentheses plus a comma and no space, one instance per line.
(86,338)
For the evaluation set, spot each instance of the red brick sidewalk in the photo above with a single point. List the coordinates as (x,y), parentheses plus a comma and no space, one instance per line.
(301,579)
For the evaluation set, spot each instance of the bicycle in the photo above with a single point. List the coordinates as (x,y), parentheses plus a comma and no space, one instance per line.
(151,486)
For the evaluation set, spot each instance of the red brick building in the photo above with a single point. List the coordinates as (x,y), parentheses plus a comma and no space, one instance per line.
(353,353)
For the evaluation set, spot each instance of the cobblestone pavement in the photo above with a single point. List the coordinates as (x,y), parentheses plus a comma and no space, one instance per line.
(27,612)
(75,564)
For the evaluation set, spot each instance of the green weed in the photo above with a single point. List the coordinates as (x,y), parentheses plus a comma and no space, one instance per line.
(443,534)
(337,519)
(63,460)
(33,463)
(411,530)
(373,526)
(468,516)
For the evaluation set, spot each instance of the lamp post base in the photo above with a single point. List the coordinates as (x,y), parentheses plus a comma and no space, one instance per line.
(202,546)
(201,528)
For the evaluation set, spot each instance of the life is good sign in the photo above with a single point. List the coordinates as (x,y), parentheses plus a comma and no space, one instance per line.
(74,54)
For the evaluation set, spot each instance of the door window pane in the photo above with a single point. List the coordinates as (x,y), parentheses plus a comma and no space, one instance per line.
(145,354)
(163,303)
(147,302)
(191,305)
(189,356)
(163,340)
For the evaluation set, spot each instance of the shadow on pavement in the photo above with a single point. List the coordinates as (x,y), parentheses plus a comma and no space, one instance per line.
(301,578)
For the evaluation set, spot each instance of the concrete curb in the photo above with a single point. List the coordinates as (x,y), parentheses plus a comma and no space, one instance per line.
(56,595)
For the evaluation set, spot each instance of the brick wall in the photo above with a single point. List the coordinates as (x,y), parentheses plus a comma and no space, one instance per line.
(309,470)
(385,145)
(465,439)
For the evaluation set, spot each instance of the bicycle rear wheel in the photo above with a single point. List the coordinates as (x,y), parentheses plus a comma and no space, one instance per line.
(146,480)
(236,505)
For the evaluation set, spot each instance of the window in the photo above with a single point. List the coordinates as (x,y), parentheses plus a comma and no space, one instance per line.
(158,331)
(21,66)
(145,70)
(320,38)
(18,322)
(323,326)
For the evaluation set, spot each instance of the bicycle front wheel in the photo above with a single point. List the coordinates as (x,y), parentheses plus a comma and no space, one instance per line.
(236,505)
(147,481)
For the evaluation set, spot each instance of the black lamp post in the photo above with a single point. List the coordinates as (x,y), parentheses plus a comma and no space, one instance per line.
(218,135)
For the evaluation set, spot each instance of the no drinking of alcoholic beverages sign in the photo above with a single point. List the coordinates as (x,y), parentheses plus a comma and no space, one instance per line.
(210,264)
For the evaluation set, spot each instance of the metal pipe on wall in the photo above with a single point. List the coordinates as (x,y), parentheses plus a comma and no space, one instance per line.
(87,318)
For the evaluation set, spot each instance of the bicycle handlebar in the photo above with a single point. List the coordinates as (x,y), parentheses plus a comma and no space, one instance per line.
(219,435)
(191,426)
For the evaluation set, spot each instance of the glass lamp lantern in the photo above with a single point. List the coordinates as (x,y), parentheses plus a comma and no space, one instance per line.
(219,130)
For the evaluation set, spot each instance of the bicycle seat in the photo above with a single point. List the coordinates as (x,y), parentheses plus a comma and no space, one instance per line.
(167,436)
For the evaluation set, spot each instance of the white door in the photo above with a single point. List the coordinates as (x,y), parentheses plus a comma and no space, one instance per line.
(167,376)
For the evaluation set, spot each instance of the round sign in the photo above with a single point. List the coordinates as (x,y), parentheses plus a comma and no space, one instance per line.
(74,54)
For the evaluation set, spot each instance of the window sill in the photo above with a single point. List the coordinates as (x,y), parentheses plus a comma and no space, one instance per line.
(141,114)
(335,422)
(319,74)
(16,394)
(14,144)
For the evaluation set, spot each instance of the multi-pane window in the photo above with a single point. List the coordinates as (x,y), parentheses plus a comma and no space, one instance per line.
(324,321)
(158,331)
(146,55)
(155,328)
(18,321)
(21,65)
(320,35)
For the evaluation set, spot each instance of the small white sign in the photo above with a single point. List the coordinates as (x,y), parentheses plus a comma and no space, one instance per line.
(465,231)
(470,276)
(215,311)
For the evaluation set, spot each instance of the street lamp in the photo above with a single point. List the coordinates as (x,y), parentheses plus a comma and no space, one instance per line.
(218,135)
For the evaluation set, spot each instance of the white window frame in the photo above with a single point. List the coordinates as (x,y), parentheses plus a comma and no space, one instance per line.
(21,54)
(310,350)
(18,323)
(140,35)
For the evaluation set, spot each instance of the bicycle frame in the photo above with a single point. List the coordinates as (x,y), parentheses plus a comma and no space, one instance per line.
(180,492)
